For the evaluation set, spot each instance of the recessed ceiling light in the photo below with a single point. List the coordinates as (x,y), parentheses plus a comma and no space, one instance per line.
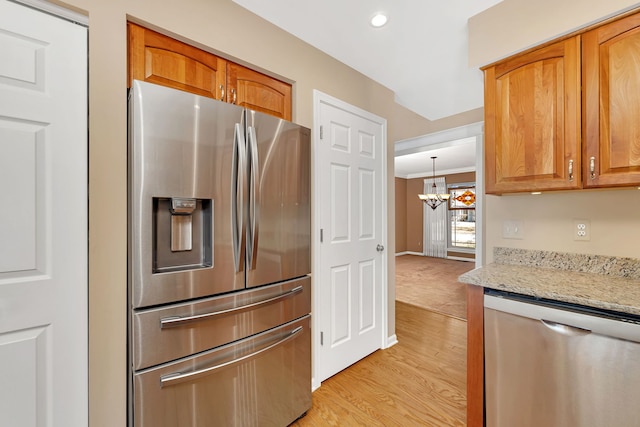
(379,19)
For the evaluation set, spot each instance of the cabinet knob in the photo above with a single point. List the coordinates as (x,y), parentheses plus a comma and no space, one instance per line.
(592,167)
(221,92)
(233,93)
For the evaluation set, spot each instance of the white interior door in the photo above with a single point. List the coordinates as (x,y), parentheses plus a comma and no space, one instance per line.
(350,280)
(43,219)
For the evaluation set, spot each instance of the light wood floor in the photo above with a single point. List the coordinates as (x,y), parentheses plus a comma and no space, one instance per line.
(421,381)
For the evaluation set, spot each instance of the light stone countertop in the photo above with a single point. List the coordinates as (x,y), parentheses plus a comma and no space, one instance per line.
(610,283)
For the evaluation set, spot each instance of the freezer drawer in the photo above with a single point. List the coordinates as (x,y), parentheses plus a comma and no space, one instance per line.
(556,368)
(171,332)
(264,380)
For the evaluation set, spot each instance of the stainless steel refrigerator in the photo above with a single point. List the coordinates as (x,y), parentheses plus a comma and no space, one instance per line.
(219,263)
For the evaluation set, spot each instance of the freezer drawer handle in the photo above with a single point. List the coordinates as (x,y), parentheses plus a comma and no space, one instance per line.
(564,329)
(179,377)
(170,322)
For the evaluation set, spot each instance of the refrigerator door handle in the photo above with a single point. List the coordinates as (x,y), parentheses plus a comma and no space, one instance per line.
(254,198)
(179,377)
(169,322)
(237,202)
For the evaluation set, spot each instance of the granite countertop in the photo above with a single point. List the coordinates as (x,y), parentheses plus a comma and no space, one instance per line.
(611,283)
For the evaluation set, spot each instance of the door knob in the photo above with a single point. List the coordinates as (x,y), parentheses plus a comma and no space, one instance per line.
(380,248)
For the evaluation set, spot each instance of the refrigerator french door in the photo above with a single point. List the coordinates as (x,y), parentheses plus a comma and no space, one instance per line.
(217,192)
(219,253)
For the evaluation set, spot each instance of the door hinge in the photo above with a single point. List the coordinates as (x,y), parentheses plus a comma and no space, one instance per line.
(321,235)
(321,338)
(321,131)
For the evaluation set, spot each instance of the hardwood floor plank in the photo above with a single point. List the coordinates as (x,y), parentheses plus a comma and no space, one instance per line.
(421,381)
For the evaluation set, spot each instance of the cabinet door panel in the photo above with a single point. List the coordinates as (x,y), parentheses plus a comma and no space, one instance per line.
(532,120)
(259,92)
(612,104)
(159,59)
(527,131)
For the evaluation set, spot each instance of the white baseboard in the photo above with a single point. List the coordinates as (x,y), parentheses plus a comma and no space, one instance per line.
(457,258)
(391,341)
(409,253)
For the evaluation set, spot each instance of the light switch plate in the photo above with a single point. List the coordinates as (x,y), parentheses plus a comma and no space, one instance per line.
(512,229)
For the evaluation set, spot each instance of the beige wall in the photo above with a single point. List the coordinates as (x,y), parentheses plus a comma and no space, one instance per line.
(547,221)
(514,25)
(414,209)
(409,126)
(401,215)
(224,28)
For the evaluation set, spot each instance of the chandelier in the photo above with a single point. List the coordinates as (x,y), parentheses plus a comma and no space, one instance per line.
(433,199)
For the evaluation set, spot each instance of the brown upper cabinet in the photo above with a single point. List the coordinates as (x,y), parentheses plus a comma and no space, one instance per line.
(565,116)
(156,58)
(254,90)
(611,103)
(532,120)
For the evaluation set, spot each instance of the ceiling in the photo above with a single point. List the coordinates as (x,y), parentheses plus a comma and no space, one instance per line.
(423,49)
(449,160)
(454,149)
(420,54)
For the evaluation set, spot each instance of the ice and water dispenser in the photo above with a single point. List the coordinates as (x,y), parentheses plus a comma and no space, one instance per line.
(182,230)
(181,189)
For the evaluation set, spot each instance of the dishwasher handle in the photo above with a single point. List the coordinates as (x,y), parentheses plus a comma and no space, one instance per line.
(563,329)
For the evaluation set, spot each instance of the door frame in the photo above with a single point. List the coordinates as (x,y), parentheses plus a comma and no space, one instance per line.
(59,11)
(448,138)
(385,342)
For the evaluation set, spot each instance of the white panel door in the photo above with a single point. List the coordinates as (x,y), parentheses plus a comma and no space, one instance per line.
(43,219)
(350,280)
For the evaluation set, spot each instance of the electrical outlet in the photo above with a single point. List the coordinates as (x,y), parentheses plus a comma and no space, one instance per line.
(581,229)
(512,229)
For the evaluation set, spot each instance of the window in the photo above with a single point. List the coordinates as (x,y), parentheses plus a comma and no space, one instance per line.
(462,216)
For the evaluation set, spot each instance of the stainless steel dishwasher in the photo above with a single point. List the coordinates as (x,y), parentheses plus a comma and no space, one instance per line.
(553,364)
